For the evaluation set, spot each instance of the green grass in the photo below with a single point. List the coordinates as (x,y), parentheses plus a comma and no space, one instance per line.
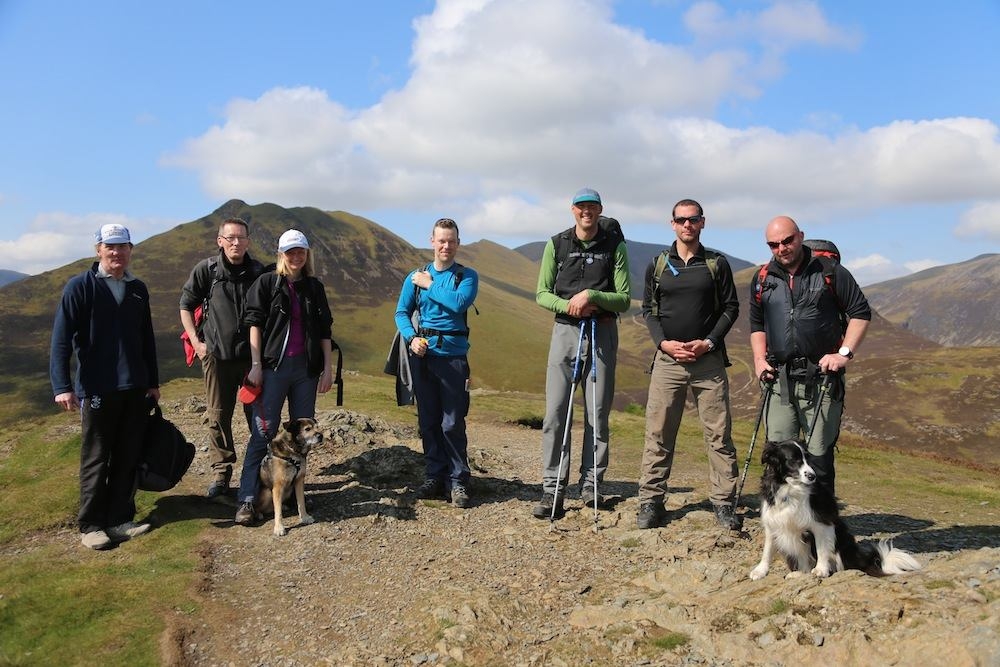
(670,641)
(779,606)
(63,604)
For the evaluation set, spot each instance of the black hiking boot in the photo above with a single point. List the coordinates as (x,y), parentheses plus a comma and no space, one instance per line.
(724,515)
(431,489)
(543,510)
(587,496)
(651,514)
(460,496)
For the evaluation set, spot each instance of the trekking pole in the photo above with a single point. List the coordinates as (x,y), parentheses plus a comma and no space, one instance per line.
(768,390)
(827,381)
(593,409)
(568,424)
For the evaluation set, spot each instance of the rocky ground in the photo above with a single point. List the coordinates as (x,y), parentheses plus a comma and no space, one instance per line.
(384,579)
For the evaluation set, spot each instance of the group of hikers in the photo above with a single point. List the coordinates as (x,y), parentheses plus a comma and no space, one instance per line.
(270,328)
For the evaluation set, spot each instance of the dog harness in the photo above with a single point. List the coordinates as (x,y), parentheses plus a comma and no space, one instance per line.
(297,464)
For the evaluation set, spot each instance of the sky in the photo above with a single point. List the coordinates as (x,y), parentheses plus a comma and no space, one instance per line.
(872,124)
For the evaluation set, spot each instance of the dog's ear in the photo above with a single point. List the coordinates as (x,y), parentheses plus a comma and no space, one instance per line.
(292,426)
(769,454)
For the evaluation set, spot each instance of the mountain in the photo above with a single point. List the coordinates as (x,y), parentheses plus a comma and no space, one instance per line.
(7,276)
(904,391)
(639,256)
(954,305)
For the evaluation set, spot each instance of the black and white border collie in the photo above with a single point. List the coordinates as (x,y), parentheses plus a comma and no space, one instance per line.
(801,522)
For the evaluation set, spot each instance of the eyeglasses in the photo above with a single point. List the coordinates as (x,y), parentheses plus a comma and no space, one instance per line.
(234,239)
(694,219)
(774,245)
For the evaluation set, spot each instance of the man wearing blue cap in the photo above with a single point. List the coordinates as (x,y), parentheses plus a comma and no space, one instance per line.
(584,275)
(104,318)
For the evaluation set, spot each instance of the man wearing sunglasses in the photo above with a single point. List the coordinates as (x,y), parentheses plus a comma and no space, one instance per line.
(800,344)
(218,286)
(689,305)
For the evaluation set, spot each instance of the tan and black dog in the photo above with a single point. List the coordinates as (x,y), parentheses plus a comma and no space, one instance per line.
(284,469)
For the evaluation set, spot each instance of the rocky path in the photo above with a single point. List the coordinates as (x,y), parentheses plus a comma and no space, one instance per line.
(384,579)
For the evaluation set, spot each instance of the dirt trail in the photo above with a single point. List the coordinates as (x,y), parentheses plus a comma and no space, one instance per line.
(384,579)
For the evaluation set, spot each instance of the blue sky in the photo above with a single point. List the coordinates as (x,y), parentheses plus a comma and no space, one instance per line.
(874,124)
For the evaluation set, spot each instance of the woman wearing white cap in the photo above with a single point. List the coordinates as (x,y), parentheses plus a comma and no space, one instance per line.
(291,352)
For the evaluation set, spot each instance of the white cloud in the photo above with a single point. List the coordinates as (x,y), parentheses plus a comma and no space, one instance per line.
(873,269)
(514,104)
(57,238)
(779,26)
(982,221)
(918,265)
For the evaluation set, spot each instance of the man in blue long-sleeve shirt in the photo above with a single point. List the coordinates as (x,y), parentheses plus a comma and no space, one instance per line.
(438,343)
(104,318)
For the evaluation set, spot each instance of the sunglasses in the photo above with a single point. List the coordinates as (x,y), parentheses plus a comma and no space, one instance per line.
(694,219)
(774,245)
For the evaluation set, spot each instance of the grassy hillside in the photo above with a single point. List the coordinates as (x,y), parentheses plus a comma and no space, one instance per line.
(905,391)
(954,305)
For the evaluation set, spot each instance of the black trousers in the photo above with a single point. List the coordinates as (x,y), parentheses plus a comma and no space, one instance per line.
(113,428)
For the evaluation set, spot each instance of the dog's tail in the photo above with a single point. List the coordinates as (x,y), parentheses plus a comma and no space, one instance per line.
(895,561)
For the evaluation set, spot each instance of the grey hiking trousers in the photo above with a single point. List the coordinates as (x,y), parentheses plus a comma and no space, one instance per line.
(559,390)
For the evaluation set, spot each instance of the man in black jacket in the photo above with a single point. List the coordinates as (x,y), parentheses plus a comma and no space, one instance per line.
(688,308)
(104,321)
(219,285)
(813,347)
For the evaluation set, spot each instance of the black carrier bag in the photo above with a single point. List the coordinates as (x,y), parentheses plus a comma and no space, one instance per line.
(166,454)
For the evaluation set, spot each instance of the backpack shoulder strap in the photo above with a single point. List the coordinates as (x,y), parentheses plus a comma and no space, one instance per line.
(659,266)
(829,274)
(712,262)
(761,277)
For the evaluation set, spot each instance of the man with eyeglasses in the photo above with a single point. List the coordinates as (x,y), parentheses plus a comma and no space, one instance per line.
(689,305)
(799,342)
(218,285)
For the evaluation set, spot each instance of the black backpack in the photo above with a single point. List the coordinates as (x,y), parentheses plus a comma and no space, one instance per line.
(563,244)
(166,454)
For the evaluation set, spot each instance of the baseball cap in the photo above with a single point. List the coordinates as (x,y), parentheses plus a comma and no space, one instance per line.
(113,233)
(248,393)
(293,238)
(586,194)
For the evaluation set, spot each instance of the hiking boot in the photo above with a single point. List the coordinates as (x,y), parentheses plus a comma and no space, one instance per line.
(587,496)
(245,515)
(724,515)
(220,486)
(543,510)
(218,489)
(431,489)
(95,539)
(460,496)
(124,532)
(651,513)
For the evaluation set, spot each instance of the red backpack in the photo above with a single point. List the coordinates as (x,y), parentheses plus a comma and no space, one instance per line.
(829,257)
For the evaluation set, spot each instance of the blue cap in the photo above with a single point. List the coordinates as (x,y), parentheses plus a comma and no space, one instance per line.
(586,194)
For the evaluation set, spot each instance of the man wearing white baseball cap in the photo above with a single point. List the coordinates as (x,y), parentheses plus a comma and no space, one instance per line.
(104,319)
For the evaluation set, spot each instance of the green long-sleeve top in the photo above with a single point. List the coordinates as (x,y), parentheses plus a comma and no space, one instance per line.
(615,302)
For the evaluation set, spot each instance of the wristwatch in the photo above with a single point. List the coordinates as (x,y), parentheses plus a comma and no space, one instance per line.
(845,351)
(710,343)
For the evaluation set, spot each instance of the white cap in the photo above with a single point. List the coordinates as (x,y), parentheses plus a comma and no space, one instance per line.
(113,233)
(293,238)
